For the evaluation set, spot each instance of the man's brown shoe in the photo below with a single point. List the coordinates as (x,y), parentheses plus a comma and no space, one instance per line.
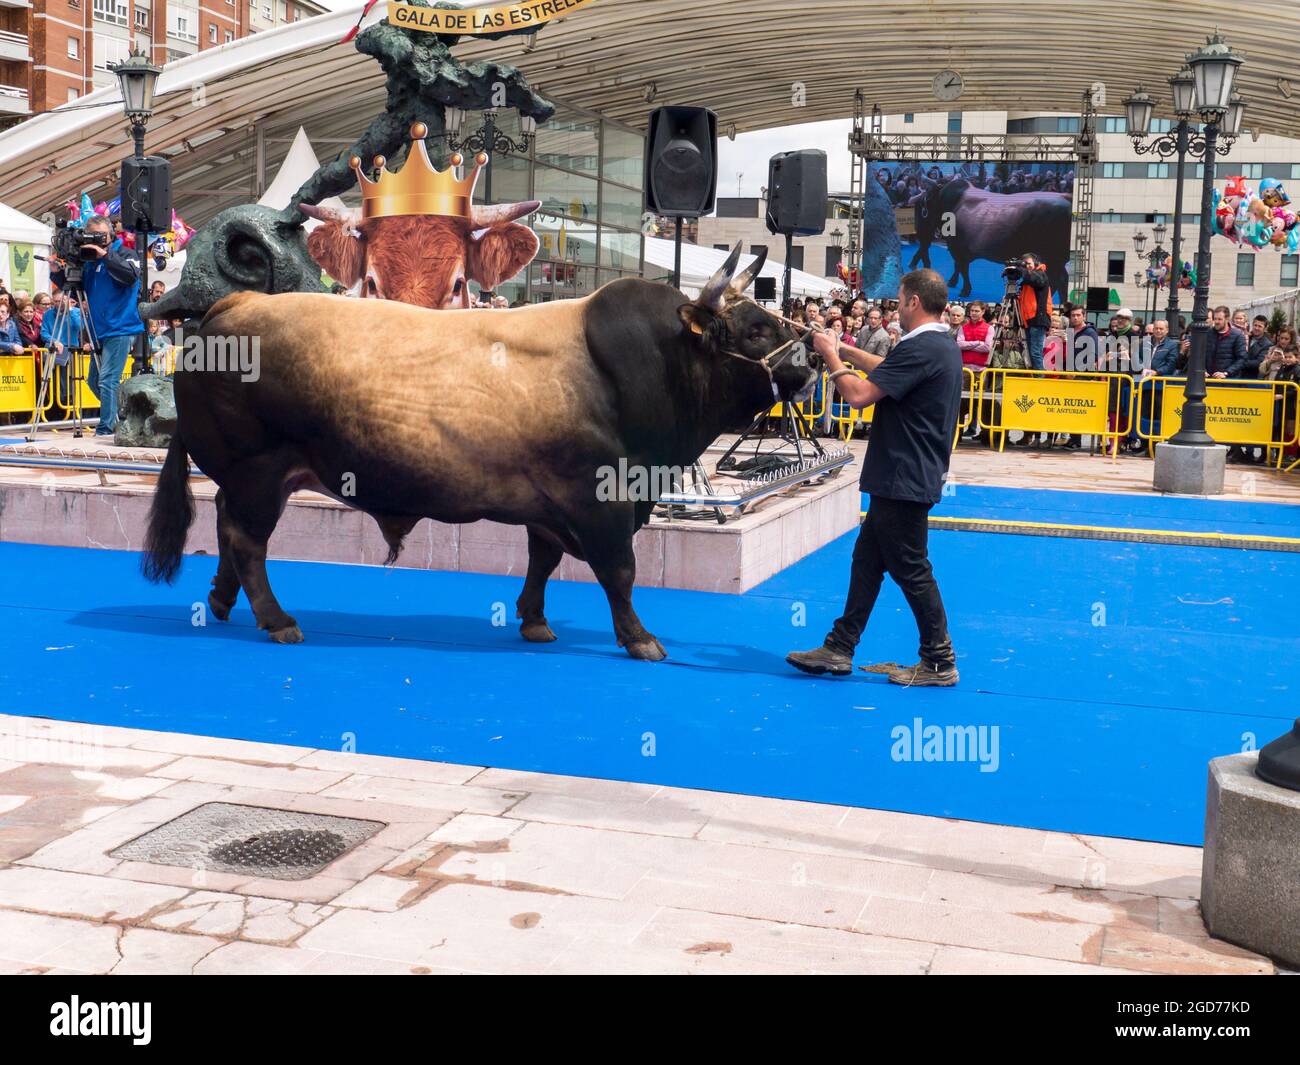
(924,675)
(822,661)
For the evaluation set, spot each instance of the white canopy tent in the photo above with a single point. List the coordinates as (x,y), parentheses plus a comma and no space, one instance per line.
(699,264)
(23,236)
(300,164)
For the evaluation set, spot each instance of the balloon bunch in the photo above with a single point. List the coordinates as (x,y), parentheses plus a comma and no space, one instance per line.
(1257,220)
(1159,274)
(161,245)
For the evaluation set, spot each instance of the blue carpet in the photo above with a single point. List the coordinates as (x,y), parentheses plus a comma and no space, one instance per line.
(1173,513)
(1111,672)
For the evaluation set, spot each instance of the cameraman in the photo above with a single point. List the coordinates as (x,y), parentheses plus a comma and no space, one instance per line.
(1035,300)
(111,278)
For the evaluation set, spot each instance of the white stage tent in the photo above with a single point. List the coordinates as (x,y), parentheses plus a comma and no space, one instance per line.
(699,264)
(21,240)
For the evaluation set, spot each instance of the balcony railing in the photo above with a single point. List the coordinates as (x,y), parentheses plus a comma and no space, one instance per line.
(9,37)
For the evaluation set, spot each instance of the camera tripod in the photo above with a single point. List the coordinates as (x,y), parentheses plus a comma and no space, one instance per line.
(71,363)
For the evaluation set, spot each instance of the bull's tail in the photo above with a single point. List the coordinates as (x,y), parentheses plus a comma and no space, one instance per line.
(170,516)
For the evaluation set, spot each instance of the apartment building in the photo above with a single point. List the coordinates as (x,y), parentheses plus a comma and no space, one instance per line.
(54,51)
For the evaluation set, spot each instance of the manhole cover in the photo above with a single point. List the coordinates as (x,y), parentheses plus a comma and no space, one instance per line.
(250,840)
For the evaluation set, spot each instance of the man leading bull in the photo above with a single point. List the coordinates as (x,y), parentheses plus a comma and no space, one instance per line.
(917,395)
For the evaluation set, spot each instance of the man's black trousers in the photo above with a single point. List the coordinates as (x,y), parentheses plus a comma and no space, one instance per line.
(894,539)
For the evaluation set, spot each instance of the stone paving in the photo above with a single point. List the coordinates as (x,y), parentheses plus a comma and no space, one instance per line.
(482,870)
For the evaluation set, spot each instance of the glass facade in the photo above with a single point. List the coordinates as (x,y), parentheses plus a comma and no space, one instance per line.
(586,171)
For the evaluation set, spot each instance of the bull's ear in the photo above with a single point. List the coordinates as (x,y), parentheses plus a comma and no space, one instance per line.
(696,318)
(500,252)
(339,250)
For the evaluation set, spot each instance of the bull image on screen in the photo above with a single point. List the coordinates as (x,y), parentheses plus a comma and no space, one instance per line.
(965,219)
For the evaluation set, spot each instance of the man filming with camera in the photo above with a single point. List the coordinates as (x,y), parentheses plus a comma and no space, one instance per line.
(1035,303)
(111,279)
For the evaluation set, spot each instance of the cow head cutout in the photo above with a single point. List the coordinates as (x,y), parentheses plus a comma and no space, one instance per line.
(425,260)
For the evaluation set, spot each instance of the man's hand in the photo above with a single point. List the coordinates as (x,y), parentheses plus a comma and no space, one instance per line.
(1218,374)
(825,344)
(99,251)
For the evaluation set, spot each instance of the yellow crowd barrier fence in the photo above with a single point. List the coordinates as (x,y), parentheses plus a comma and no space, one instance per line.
(1248,413)
(1041,401)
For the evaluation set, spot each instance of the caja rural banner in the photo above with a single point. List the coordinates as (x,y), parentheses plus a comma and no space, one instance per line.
(17,383)
(1234,414)
(496,19)
(1054,405)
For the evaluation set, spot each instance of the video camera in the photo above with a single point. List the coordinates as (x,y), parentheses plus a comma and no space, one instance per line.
(1011,269)
(67,243)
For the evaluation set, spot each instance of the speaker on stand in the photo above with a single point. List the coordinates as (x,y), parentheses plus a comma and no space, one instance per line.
(146,198)
(681,168)
(796,201)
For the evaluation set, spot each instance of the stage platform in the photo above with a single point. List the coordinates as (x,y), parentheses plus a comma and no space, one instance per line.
(109,508)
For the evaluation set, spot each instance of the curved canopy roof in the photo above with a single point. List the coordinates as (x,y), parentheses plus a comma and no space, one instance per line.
(757,63)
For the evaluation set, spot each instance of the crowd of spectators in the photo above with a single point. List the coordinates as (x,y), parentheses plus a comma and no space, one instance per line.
(903,182)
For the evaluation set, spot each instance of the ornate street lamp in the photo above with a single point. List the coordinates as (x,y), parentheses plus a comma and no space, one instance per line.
(488,138)
(136,78)
(1181,142)
(1139,241)
(1214,68)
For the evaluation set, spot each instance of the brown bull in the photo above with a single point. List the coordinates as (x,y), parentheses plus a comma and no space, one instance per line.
(406,413)
(426,260)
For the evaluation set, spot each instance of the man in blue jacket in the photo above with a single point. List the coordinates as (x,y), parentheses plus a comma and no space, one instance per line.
(112,283)
(1164,352)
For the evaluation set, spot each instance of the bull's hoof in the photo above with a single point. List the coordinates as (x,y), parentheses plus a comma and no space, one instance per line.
(536,632)
(219,610)
(647,650)
(289,634)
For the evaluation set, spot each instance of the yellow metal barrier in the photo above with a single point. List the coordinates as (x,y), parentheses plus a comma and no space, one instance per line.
(845,417)
(19,383)
(1041,401)
(1236,412)
(811,408)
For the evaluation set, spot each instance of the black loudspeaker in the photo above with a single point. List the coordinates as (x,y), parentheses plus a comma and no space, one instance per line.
(764,289)
(1098,298)
(796,193)
(147,194)
(681,162)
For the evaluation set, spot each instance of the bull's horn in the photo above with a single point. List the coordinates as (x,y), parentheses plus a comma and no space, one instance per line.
(483,217)
(715,289)
(746,276)
(349,216)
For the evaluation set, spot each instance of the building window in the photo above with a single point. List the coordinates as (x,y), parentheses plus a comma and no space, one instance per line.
(1290,270)
(230,36)
(111,11)
(954,121)
(722,247)
(796,257)
(212,33)
(1065,124)
(833,256)
(1295,171)
(1112,170)
(1114,125)
(757,249)
(908,118)
(141,18)
(1157,170)
(74,48)
(1115,267)
(72,95)
(1252,171)
(1246,269)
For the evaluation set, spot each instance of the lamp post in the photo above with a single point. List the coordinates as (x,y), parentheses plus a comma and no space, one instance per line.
(1179,143)
(488,138)
(136,77)
(1190,462)
(837,235)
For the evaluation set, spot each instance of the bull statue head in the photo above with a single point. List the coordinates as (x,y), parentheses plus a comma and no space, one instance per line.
(424,259)
(244,248)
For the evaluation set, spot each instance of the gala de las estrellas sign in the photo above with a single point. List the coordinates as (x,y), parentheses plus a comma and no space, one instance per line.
(518,16)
